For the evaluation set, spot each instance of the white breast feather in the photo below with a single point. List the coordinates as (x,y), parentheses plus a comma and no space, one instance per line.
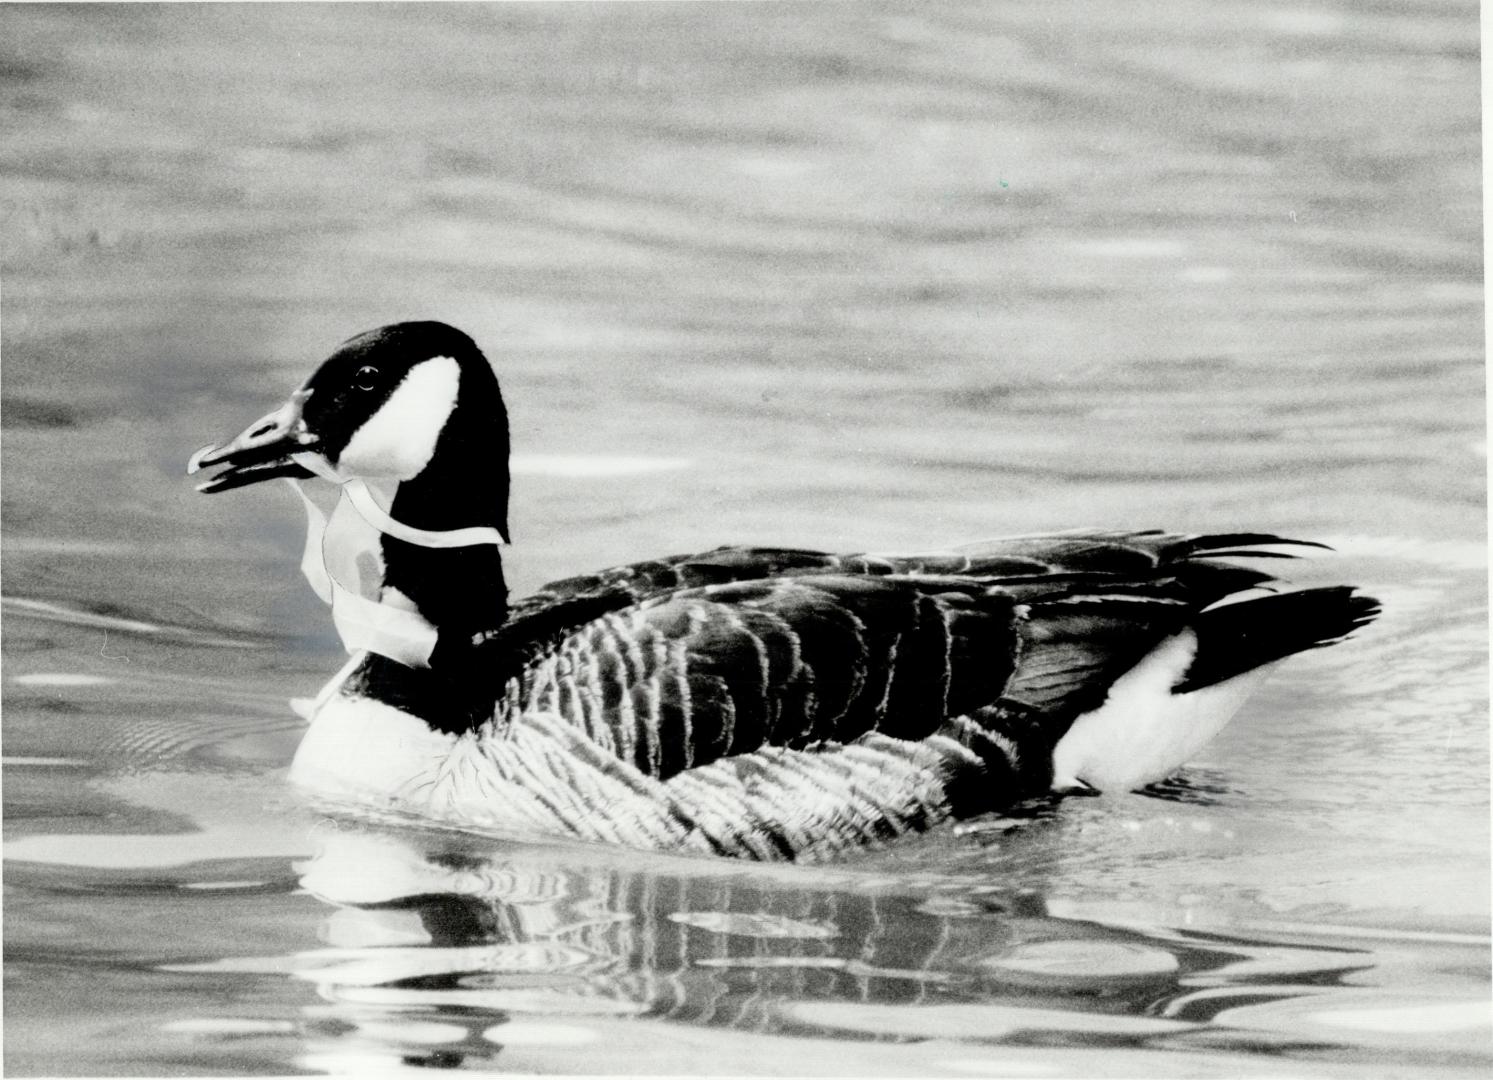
(364,750)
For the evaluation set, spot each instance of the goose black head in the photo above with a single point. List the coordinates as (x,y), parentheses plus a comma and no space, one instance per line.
(415,402)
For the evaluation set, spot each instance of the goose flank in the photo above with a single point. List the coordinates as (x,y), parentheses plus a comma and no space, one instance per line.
(766,703)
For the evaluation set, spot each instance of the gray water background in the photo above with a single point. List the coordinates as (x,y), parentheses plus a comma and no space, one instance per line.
(855,277)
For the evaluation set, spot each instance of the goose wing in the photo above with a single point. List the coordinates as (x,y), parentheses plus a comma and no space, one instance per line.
(810,701)
(560,606)
(809,657)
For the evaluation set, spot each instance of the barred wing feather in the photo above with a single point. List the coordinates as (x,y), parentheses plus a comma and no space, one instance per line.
(769,701)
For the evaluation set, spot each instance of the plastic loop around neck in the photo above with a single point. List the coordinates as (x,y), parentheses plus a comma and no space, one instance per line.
(364,623)
(369,510)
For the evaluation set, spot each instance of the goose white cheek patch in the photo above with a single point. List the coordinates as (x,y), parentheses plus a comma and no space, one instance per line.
(398,441)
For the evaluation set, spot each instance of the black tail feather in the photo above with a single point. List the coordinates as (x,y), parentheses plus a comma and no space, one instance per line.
(1235,638)
(1218,545)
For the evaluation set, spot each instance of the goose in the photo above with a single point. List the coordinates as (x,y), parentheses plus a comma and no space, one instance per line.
(764,703)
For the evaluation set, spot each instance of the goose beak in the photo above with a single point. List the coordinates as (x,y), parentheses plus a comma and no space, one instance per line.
(262,451)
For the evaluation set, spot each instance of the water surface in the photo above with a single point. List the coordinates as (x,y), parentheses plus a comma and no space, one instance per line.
(856,277)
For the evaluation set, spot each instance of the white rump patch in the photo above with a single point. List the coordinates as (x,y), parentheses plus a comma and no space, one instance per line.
(1144,732)
(398,441)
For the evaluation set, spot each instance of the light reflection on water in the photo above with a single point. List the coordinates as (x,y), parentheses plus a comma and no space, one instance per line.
(437,931)
(441,949)
(858,277)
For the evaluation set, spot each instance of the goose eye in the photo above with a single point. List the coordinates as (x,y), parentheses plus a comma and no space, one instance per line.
(366,378)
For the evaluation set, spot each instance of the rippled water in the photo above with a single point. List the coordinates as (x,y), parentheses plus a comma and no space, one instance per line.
(856,277)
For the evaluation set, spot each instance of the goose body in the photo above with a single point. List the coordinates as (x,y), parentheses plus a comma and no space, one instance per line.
(757,702)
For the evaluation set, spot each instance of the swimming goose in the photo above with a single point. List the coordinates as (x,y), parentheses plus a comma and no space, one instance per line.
(758,702)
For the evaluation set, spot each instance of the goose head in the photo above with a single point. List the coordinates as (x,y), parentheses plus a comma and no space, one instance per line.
(416,403)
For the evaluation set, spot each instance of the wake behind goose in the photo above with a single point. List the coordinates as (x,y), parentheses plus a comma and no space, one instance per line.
(757,702)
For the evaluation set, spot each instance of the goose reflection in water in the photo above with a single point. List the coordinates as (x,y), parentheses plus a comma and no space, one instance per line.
(442,949)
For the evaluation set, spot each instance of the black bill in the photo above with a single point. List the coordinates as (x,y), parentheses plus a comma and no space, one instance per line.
(262,451)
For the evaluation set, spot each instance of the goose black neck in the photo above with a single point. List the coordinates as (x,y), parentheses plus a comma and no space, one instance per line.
(461,591)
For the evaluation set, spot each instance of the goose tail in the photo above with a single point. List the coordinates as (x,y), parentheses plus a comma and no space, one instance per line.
(1234,638)
(1167,707)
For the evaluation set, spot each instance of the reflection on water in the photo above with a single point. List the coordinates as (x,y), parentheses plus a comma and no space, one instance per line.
(859,277)
(443,949)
